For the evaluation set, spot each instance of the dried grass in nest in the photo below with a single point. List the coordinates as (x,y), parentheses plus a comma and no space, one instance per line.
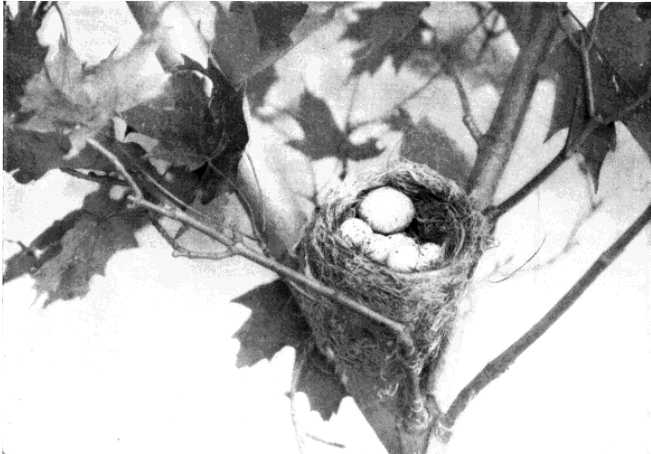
(423,301)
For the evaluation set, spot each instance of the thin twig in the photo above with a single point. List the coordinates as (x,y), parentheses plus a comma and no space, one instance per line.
(118,165)
(566,152)
(500,364)
(101,179)
(203,255)
(496,150)
(284,271)
(299,363)
(468,118)
(333,444)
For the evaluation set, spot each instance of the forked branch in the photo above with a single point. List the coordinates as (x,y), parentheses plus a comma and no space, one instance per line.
(500,364)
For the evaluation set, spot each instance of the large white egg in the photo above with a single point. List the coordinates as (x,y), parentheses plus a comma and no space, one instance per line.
(387,210)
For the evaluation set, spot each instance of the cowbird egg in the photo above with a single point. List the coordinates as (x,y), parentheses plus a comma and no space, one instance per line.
(387,210)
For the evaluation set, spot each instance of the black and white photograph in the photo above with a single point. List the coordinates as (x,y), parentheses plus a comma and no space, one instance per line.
(326,228)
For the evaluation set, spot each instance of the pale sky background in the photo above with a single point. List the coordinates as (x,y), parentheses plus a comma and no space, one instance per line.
(146,362)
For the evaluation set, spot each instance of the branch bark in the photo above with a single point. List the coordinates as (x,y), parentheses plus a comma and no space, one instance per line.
(500,364)
(238,248)
(496,149)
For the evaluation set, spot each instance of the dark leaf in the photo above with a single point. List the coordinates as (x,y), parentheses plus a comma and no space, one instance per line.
(601,142)
(46,246)
(392,30)
(427,144)
(321,135)
(250,36)
(321,384)
(275,21)
(180,119)
(23,56)
(227,109)
(621,70)
(275,322)
(73,250)
(31,154)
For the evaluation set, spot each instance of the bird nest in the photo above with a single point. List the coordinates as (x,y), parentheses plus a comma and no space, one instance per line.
(424,302)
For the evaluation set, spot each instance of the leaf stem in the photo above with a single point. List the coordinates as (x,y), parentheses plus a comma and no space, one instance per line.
(468,118)
(499,365)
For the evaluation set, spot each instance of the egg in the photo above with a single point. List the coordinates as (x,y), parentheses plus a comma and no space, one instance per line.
(377,247)
(400,238)
(387,210)
(355,231)
(429,254)
(403,257)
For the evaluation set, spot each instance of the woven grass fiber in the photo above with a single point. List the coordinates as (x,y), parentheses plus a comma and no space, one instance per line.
(425,302)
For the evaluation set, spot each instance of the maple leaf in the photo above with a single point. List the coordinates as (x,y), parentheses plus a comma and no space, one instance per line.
(321,384)
(250,36)
(74,249)
(275,322)
(427,144)
(321,135)
(69,99)
(621,69)
(181,121)
(23,56)
(392,30)
(595,148)
(30,154)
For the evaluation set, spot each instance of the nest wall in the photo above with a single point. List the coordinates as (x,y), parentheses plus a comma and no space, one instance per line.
(425,302)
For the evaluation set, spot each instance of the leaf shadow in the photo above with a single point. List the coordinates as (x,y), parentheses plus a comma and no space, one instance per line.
(276,321)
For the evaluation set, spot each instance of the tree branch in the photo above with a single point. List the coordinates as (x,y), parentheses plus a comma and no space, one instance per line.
(286,272)
(500,364)
(566,152)
(507,121)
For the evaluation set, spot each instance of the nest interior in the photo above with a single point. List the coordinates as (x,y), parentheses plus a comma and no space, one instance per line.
(425,301)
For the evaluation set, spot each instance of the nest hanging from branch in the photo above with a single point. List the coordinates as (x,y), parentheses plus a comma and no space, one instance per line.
(425,302)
